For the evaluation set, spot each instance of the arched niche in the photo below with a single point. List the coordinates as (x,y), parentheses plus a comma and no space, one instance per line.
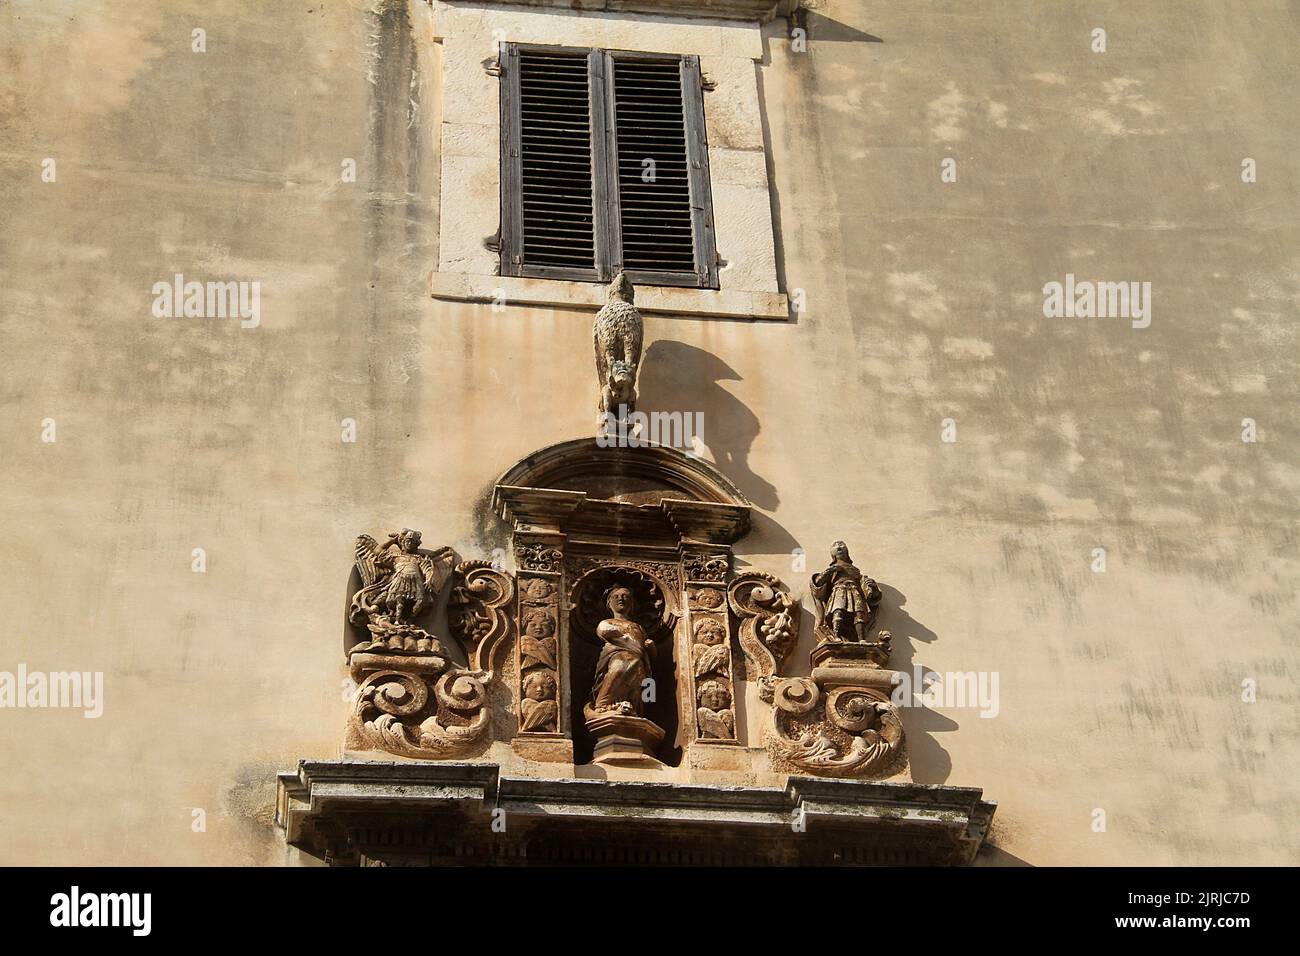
(581,513)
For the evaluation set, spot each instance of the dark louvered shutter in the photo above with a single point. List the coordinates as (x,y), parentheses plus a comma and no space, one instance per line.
(654,193)
(550,147)
(604,168)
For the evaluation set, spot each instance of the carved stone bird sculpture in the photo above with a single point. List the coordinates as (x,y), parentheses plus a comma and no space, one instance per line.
(617,337)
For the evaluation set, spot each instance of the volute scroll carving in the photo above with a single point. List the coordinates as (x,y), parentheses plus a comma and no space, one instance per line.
(412,699)
(847,731)
(478,610)
(840,721)
(769,624)
(395,712)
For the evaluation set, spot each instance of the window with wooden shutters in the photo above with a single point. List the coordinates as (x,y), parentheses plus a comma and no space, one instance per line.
(604,167)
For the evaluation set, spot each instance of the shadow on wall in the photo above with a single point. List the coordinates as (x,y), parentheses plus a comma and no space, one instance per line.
(823,28)
(990,855)
(930,763)
(682,378)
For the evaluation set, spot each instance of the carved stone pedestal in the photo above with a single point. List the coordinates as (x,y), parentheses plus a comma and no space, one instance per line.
(416,704)
(839,721)
(852,653)
(622,738)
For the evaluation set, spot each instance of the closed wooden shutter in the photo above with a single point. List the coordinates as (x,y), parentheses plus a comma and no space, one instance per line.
(547,175)
(604,167)
(654,193)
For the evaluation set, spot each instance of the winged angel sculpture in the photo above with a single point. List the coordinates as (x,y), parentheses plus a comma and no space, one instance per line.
(398,585)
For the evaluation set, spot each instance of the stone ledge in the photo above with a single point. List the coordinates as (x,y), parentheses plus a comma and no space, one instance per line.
(756,11)
(584,296)
(351,812)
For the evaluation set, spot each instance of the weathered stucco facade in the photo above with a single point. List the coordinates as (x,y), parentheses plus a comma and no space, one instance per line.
(919,319)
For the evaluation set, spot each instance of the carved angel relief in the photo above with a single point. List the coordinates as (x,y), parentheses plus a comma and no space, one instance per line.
(539,708)
(412,699)
(398,585)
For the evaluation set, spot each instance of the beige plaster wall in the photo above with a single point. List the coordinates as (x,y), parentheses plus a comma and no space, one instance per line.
(1119,691)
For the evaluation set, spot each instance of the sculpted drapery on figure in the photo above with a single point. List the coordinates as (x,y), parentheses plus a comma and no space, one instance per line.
(625,661)
(849,598)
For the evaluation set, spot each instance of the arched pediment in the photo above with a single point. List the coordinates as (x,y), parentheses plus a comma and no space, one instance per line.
(651,495)
(640,475)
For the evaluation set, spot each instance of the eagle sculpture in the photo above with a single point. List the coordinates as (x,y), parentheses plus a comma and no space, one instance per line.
(617,337)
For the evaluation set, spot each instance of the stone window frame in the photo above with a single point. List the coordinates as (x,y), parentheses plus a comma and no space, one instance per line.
(467,36)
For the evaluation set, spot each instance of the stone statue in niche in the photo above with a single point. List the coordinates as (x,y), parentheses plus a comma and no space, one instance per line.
(846,597)
(398,585)
(617,335)
(614,710)
(625,661)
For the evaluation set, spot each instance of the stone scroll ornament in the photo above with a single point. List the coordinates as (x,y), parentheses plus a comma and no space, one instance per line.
(840,721)
(412,699)
(769,623)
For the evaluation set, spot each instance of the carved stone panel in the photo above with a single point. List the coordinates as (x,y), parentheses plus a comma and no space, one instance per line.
(412,699)
(711,670)
(768,622)
(541,686)
(539,654)
(840,721)
(478,610)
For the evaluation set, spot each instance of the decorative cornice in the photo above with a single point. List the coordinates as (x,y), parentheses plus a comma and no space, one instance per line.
(426,805)
(759,11)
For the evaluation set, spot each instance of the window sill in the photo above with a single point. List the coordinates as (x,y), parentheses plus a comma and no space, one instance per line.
(652,300)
